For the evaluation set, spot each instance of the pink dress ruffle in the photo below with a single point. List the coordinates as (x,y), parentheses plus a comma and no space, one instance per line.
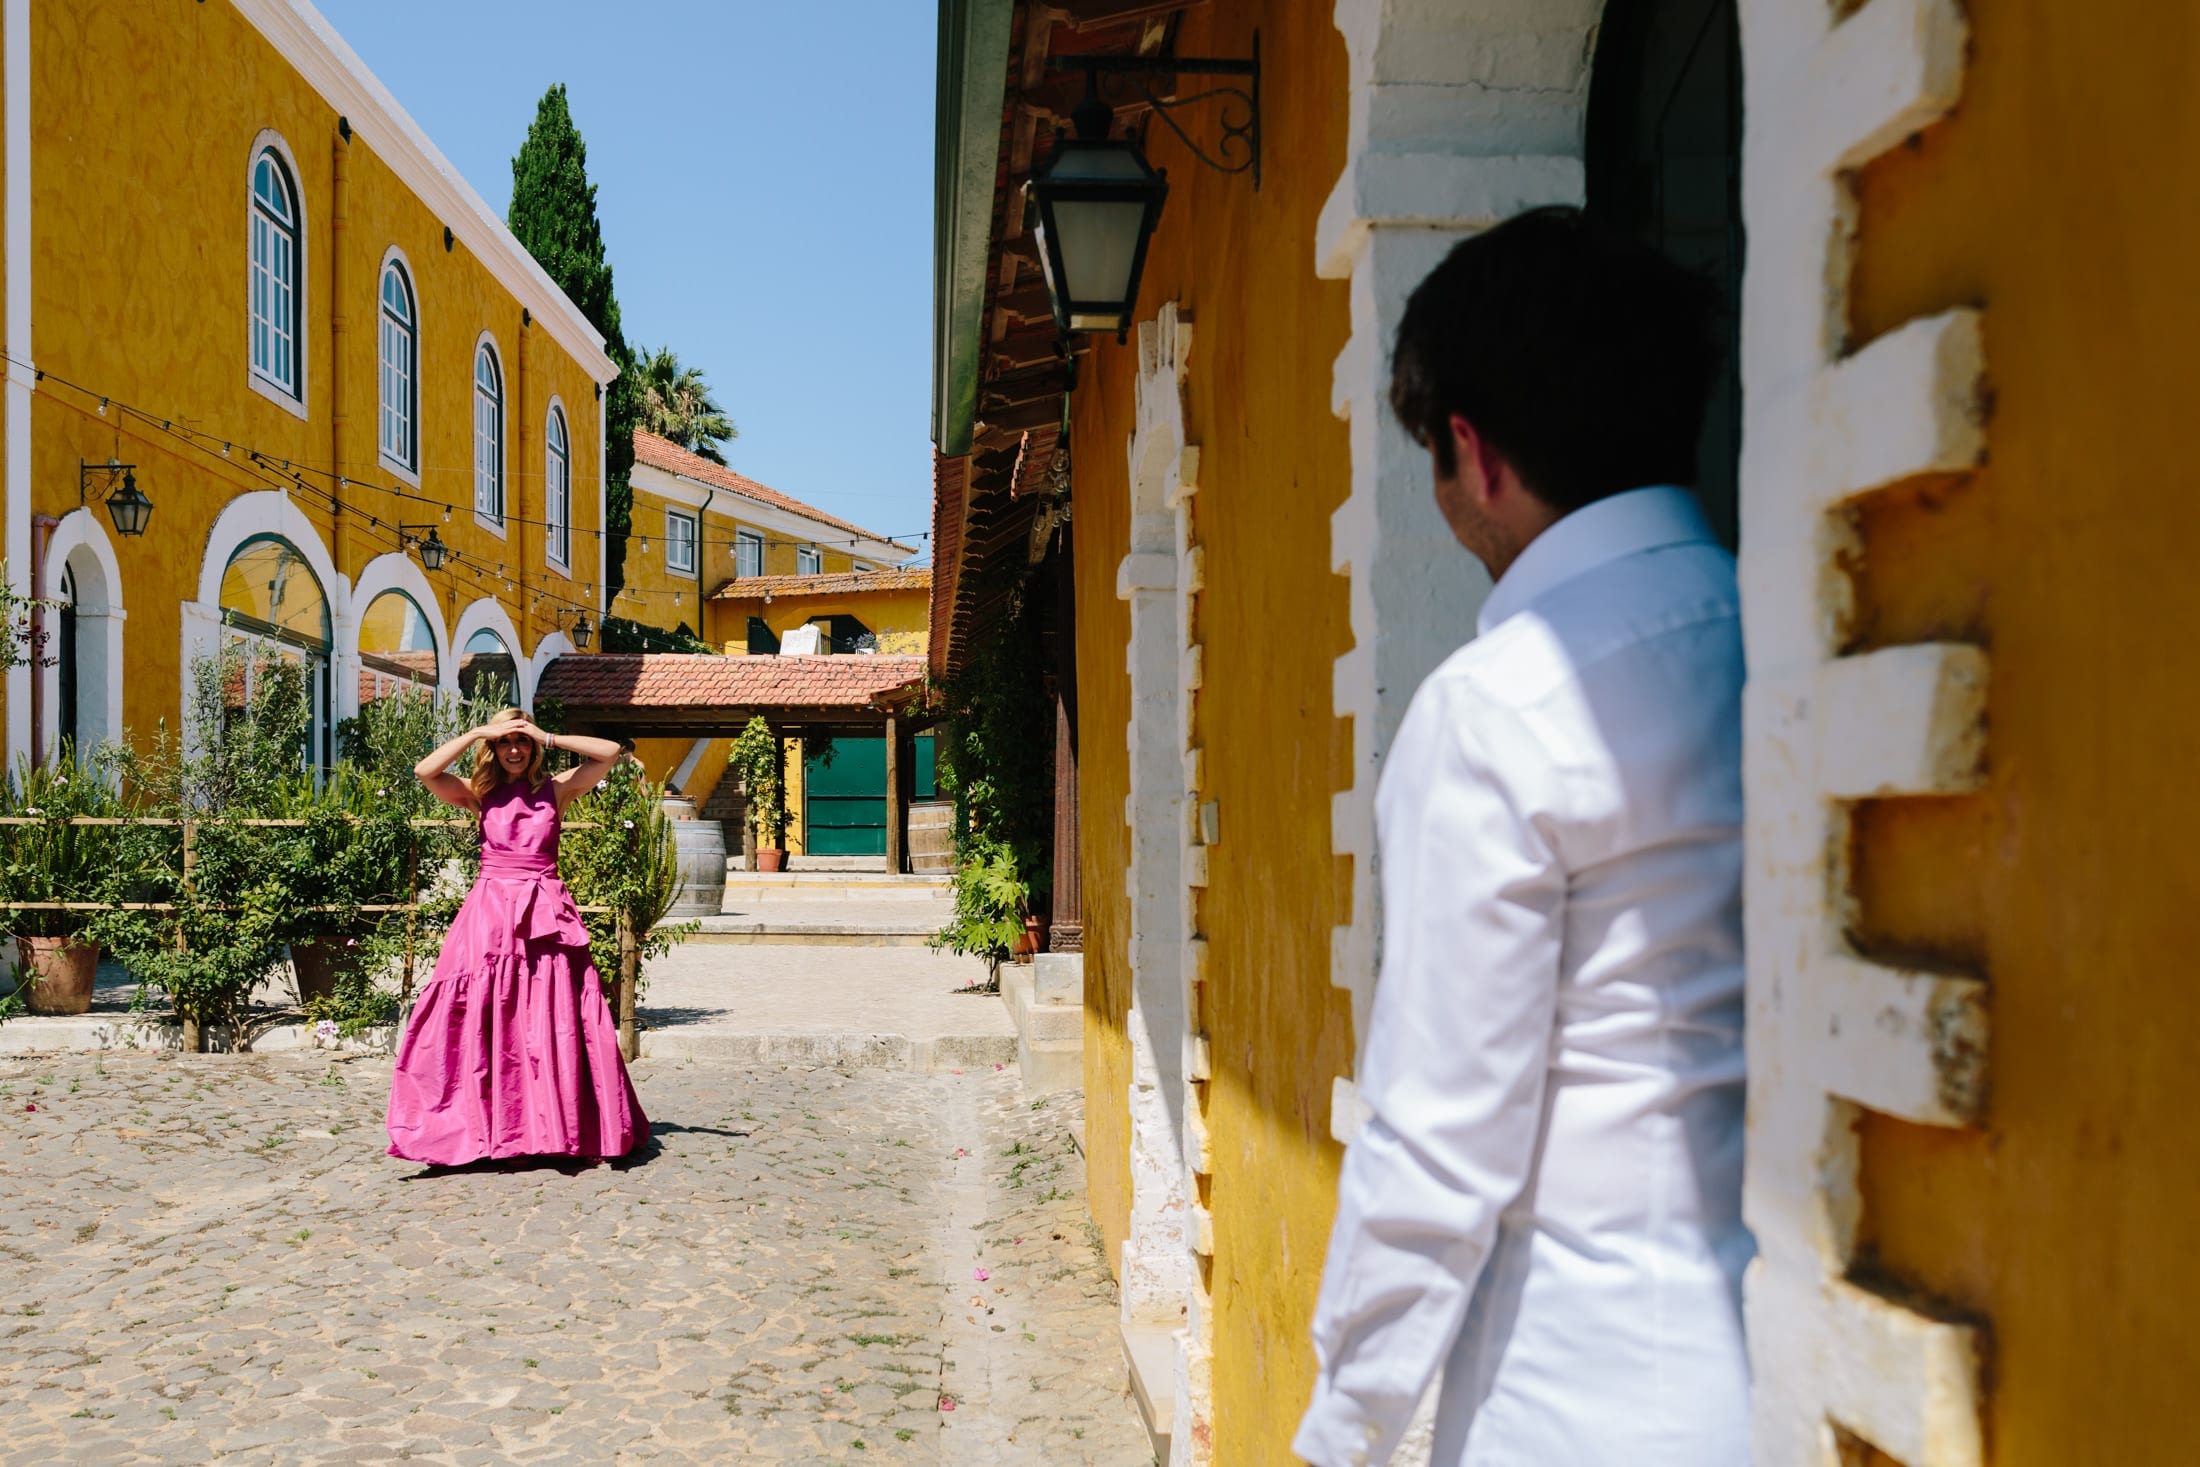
(512,1050)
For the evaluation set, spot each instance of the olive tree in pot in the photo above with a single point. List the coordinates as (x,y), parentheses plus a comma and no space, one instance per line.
(756,760)
(56,861)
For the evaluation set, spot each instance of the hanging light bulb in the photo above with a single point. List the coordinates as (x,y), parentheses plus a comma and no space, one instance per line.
(225,450)
(446,514)
(103,407)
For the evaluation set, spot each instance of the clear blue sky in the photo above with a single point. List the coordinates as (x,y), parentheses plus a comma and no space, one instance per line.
(764,177)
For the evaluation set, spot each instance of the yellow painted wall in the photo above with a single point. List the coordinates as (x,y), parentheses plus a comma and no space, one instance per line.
(658,597)
(1273,618)
(902,619)
(2058,198)
(139,220)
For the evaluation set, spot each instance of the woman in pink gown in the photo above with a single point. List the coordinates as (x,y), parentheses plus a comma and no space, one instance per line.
(512,1051)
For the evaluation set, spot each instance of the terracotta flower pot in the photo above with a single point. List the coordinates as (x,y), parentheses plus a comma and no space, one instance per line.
(1028,945)
(770,860)
(60,971)
(317,961)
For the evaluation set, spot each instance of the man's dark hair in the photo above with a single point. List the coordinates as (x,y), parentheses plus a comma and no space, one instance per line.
(1584,357)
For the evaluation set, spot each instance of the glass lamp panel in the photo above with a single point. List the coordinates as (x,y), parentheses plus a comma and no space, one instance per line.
(1098,240)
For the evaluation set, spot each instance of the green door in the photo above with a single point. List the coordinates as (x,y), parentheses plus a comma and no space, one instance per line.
(844,802)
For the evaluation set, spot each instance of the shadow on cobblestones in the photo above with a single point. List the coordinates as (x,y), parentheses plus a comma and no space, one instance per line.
(211,1257)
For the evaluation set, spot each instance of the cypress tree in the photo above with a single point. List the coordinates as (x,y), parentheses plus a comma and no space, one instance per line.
(553,214)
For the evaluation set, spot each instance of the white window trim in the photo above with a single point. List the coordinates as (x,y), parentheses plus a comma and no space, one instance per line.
(747,537)
(295,406)
(694,541)
(564,566)
(488,613)
(494,526)
(410,473)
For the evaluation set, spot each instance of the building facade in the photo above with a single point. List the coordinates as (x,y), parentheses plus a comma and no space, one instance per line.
(1946,457)
(270,305)
(697,525)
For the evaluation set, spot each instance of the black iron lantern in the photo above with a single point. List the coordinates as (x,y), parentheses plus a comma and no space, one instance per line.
(582,631)
(129,508)
(433,552)
(1098,200)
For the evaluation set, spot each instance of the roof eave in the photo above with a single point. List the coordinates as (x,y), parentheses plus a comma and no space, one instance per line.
(973,86)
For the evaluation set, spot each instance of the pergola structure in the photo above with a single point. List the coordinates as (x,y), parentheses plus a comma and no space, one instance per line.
(697,695)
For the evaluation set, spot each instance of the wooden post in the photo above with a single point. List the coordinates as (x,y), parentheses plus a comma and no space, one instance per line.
(897,808)
(194,1035)
(630,1046)
(412,906)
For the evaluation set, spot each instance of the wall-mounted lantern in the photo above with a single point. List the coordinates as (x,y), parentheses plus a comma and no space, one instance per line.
(582,632)
(127,505)
(433,552)
(1098,199)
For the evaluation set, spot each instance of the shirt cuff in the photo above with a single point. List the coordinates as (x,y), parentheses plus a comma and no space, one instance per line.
(1335,1432)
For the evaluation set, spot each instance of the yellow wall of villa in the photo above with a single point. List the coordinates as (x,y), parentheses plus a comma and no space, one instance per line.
(901,619)
(659,597)
(140,259)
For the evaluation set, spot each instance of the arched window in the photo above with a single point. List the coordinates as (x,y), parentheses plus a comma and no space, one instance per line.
(487,669)
(274,612)
(488,435)
(275,222)
(558,490)
(396,648)
(400,369)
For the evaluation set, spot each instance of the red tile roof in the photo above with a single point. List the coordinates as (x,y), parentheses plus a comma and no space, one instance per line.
(700,680)
(754,588)
(663,453)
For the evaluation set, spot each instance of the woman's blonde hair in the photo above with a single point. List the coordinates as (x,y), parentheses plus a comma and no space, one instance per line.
(489,770)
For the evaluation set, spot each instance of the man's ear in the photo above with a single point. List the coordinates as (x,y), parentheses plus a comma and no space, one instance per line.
(1472,449)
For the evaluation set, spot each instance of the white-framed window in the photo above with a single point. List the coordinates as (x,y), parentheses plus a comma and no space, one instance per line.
(679,541)
(400,349)
(808,561)
(488,435)
(557,490)
(748,553)
(275,231)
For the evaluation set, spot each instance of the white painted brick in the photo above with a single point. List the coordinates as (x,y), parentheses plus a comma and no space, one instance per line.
(1908,1384)
(1910,403)
(1903,721)
(1907,1044)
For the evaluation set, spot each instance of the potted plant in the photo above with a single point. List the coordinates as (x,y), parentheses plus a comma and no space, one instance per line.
(756,761)
(55,861)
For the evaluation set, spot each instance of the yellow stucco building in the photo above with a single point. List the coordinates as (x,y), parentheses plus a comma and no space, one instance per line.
(1951,463)
(718,556)
(266,302)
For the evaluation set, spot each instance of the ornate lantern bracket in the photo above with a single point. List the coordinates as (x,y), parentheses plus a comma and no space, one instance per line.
(1237,150)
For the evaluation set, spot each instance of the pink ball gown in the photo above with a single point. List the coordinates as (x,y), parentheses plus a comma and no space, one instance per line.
(512,1050)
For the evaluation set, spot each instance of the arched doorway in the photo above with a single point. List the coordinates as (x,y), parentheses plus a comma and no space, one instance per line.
(273,609)
(1664,160)
(487,669)
(396,648)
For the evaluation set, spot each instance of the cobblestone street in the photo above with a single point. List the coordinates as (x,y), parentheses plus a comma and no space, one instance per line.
(210,1257)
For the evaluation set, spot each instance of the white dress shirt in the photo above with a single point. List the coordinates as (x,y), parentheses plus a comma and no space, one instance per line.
(1546,1199)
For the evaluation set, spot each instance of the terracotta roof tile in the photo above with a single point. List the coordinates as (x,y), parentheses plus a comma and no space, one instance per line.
(699,680)
(663,453)
(751,588)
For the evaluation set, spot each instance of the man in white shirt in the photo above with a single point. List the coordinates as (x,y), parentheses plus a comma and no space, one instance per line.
(1546,1198)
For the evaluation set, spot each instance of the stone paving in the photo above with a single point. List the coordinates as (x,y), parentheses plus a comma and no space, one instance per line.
(210,1257)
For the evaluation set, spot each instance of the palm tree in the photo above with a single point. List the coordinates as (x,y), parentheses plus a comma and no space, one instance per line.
(676,404)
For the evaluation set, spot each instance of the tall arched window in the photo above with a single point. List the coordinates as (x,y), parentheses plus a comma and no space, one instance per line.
(558,490)
(488,435)
(275,221)
(274,612)
(400,369)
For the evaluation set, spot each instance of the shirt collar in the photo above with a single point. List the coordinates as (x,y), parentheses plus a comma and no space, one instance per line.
(1597,534)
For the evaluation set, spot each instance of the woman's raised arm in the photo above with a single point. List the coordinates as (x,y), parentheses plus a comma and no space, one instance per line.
(597,757)
(435,770)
